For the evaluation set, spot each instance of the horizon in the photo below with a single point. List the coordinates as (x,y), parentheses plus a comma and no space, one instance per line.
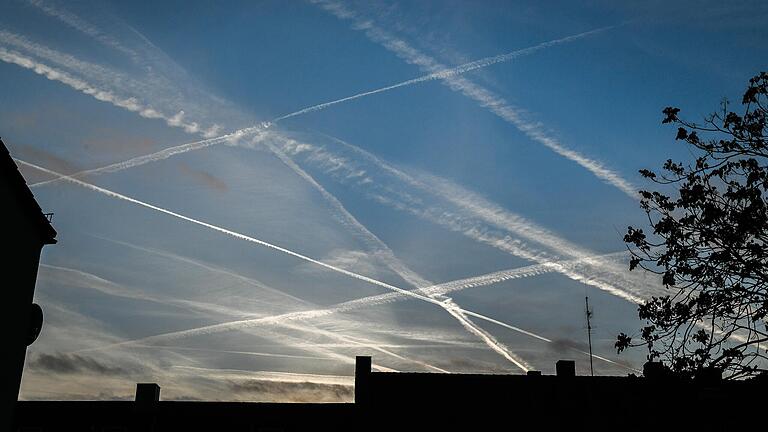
(246,196)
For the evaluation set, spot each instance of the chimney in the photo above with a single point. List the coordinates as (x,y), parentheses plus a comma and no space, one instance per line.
(362,380)
(565,368)
(147,393)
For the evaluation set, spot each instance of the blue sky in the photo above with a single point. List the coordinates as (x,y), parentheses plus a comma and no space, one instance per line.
(524,167)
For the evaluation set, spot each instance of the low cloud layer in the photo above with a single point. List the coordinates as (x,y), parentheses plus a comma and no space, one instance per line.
(62,363)
(280,391)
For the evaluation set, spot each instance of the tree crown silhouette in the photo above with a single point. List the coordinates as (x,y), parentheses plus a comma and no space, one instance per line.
(709,244)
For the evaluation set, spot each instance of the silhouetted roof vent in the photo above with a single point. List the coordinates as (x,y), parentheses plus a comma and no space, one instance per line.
(565,368)
(147,393)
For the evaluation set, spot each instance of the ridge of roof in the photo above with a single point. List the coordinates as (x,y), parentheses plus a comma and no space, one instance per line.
(10,172)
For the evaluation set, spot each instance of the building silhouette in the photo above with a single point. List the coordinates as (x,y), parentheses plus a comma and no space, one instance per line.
(383,400)
(394,401)
(25,230)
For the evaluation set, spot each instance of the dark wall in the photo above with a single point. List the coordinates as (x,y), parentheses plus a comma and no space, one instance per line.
(20,256)
(117,416)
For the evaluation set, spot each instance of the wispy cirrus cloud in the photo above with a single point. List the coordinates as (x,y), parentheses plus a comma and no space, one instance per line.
(76,22)
(457,209)
(449,72)
(101,94)
(485,98)
(377,246)
(178,119)
(274,247)
(63,363)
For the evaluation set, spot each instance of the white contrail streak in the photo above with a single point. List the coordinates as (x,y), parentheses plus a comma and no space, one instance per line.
(130,104)
(52,74)
(448,73)
(82,26)
(97,283)
(439,75)
(348,339)
(160,155)
(133,105)
(164,154)
(379,299)
(392,193)
(383,252)
(484,97)
(163,92)
(488,339)
(258,242)
(111,288)
(476,205)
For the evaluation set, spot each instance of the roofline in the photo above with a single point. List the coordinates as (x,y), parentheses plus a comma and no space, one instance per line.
(25,196)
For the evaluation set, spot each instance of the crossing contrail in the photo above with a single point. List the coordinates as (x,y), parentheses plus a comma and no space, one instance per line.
(331,335)
(439,75)
(485,98)
(160,155)
(351,305)
(447,73)
(261,243)
(383,252)
(96,91)
(183,148)
(489,339)
(133,105)
(466,213)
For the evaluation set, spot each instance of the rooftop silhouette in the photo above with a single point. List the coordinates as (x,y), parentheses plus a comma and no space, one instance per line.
(426,401)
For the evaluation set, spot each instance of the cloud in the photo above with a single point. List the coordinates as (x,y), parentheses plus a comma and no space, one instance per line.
(485,98)
(81,25)
(447,73)
(47,158)
(203,177)
(62,363)
(457,209)
(352,260)
(280,391)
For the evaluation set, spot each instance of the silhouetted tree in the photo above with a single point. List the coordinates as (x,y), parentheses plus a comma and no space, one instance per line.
(710,244)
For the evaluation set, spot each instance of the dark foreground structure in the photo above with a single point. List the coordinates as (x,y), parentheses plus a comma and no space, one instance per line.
(24,231)
(420,401)
(383,401)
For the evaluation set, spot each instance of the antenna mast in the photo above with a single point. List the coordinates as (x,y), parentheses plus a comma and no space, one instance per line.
(589,335)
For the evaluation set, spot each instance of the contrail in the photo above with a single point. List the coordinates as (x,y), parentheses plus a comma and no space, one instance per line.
(258,242)
(477,205)
(383,252)
(379,299)
(343,338)
(482,96)
(82,26)
(130,104)
(488,339)
(133,105)
(97,283)
(214,269)
(163,92)
(112,288)
(389,190)
(160,155)
(448,73)
(439,75)
(205,143)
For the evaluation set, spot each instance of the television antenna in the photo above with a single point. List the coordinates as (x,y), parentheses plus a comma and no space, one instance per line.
(588,313)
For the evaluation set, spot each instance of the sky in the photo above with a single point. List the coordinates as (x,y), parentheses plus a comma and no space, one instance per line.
(250,194)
